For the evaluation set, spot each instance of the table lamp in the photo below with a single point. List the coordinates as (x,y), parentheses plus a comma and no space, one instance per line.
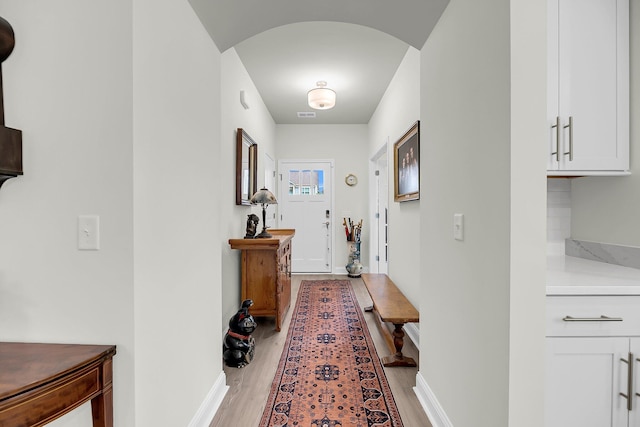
(263,197)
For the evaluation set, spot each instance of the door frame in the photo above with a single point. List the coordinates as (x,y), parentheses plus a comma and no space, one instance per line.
(374,189)
(332,214)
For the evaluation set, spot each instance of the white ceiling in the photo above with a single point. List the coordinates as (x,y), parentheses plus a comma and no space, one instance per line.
(356,62)
(354,45)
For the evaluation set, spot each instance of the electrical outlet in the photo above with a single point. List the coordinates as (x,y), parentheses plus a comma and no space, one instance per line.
(88,232)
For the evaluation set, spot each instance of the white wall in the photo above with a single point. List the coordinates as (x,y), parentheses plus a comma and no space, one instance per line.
(68,86)
(176,212)
(480,66)
(397,112)
(259,124)
(347,145)
(465,165)
(527,203)
(606,209)
(74,85)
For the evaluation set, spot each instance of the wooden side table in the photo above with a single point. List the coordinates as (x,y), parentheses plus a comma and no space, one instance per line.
(266,273)
(41,382)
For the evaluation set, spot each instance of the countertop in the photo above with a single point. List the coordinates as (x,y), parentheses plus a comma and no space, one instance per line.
(567,275)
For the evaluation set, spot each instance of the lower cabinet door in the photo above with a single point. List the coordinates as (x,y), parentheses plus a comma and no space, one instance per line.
(585,377)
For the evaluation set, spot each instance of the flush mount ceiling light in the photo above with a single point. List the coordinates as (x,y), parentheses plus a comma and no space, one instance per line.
(321,98)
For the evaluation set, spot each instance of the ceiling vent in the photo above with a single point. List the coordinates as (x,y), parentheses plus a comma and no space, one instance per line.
(306,115)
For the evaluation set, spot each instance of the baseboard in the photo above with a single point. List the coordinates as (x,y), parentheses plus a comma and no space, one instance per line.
(211,403)
(430,404)
(413,333)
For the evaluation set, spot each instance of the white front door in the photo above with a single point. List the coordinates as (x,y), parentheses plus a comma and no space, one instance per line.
(305,204)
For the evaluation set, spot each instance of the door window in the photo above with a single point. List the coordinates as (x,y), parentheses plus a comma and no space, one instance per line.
(306,182)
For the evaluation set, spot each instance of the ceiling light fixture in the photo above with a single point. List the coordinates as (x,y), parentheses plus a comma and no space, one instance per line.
(321,98)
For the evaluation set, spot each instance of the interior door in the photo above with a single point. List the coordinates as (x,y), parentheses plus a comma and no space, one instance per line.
(382,213)
(305,204)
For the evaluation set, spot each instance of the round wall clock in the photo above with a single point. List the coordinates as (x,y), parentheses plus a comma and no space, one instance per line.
(351,180)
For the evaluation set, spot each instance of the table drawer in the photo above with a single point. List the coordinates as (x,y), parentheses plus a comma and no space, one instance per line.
(48,402)
(593,316)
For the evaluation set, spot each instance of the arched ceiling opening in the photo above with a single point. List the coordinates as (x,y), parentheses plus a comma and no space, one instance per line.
(231,21)
(355,46)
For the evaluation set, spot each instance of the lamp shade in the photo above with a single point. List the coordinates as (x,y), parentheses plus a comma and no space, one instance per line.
(263,197)
(321,98)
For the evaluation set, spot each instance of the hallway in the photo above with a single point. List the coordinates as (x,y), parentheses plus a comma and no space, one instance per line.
(249,386)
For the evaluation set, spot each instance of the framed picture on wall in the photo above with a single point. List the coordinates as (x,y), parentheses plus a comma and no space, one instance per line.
(406,165)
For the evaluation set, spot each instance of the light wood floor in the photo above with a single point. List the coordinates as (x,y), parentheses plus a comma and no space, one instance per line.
(249,386)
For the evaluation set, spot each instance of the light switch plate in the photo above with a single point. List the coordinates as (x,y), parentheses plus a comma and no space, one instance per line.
(458,226)
(88,232)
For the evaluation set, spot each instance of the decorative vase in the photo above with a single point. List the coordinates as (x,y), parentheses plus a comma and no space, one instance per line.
(354,267)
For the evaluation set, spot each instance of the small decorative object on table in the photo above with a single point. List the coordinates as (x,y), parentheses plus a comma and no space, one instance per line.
(353,232)
(239,345)
(252,223)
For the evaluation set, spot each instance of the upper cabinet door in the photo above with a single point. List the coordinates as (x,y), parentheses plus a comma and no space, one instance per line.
(588,86)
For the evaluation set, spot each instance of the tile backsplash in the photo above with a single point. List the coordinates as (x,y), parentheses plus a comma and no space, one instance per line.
(559,240)
(558,211)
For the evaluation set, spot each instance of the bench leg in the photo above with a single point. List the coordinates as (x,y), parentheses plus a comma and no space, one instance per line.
(398,341)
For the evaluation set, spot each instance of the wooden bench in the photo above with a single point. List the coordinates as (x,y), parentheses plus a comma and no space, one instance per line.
(390,305)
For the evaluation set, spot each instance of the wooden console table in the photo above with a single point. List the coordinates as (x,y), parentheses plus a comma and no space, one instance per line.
(266,273)
(42,382)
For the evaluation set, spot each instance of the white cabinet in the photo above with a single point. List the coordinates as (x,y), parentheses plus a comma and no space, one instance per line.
(586,377)
(593,362)
(588,87)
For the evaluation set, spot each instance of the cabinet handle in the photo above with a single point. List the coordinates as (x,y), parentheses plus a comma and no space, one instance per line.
(557,126)
(629,395)
(592,319)
(637,394)
(570,126)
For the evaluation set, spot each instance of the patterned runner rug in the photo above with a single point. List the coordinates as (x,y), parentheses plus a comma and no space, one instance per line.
(329,374)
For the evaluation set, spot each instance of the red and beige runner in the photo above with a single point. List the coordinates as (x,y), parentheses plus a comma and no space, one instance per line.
(329,374)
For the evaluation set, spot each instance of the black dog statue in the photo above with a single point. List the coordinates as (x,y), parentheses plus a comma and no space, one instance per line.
(239,345)
(252,223)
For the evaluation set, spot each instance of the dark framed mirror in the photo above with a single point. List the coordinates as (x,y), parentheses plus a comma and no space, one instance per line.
(246,167)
